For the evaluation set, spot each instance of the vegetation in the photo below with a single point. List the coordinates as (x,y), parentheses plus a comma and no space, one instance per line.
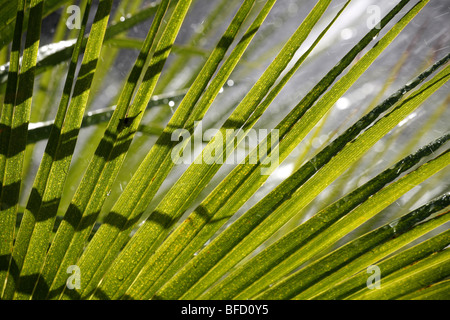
(106,192)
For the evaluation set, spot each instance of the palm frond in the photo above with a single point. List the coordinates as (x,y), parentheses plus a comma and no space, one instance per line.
(128,151)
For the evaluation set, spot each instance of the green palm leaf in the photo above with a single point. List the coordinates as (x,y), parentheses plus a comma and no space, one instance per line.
(111,188)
